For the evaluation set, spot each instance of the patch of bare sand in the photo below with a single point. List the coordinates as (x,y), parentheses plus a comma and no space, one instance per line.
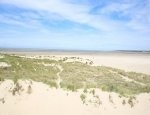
(44,100)
(4,64)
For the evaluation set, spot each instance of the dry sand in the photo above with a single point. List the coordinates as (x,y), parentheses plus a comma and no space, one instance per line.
(47,101)
(4,64)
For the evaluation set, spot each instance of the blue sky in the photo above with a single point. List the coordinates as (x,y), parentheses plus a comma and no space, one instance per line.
(75,24)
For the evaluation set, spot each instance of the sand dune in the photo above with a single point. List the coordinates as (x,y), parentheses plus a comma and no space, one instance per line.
(44,100)
(129,61)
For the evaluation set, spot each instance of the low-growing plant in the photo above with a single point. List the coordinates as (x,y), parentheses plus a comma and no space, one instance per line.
(123,102)
(98,101)
(110,99)
(1,79)
(130,101)
(71,87)
(83,98)
(85,90)
(16,89)
(29,90)
(92,91)
(2,100)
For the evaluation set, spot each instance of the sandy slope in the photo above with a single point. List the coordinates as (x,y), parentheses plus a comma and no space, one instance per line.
(47,101)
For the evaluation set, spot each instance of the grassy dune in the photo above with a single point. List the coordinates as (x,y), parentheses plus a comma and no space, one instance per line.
(75,75)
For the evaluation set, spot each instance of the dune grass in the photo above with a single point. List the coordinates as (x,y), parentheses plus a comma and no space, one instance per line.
(79,75)
(75,75)
(24,68)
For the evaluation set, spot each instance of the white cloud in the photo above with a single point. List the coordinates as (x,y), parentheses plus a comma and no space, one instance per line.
(137,12)
(63,10)
(72,12)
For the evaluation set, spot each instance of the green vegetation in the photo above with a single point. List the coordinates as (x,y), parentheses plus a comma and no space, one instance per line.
(75,75)
(2,100)
(85,90)
(82,75)
(123,102)
(92,91)
(131,101)
(16,89)
(83,97)
(110,99)
(29,90)
(24,68)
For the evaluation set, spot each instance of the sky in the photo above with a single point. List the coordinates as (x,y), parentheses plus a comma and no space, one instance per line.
(75,24)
